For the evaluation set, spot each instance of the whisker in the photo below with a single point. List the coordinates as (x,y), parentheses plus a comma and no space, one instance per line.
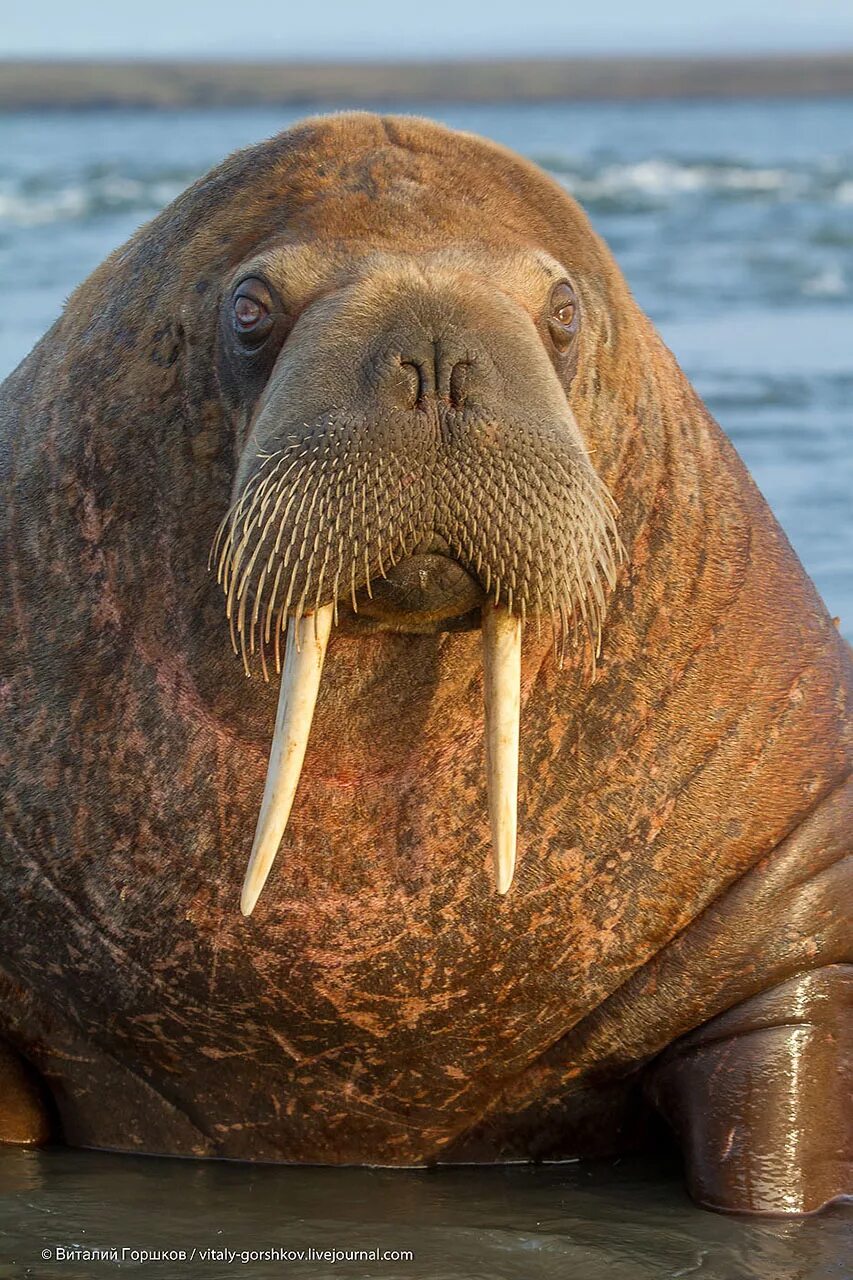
(324,516)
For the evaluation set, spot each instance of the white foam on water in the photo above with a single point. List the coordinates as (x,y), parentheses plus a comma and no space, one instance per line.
(829,283)
(660,178)
(74,201)
(657,179)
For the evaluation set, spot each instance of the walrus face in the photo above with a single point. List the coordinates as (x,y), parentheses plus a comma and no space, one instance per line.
(410,463)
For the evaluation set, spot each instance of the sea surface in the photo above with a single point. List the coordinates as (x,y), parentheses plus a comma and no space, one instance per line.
(733,223)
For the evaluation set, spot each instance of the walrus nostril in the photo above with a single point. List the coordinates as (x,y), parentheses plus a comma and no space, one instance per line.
(413,379)
(458,383)
(421,380)
(414,384)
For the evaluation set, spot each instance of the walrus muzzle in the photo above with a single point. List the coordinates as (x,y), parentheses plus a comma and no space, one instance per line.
(479,455)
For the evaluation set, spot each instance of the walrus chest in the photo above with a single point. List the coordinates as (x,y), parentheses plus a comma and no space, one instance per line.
(362,1041)
(383,994)
(373,1007)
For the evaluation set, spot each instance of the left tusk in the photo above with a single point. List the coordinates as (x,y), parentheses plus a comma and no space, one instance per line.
(502,674)
(303,665)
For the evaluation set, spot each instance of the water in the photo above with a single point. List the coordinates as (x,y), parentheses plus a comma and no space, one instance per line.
(732,221)
(734,225)
(590,1221)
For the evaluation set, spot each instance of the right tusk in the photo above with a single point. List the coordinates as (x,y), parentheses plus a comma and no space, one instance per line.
(303,664)
(502,676)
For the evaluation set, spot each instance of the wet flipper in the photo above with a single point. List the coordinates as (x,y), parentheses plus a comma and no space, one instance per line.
(760,1098)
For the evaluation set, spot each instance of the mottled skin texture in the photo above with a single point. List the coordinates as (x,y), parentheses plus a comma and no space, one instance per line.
(683,820)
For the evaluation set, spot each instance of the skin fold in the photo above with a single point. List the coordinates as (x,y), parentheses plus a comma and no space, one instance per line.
(678,926)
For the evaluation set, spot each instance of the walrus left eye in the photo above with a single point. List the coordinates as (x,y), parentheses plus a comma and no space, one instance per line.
(563,316)
(252,309)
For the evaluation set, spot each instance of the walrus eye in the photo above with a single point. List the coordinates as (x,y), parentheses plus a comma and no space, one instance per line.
(252,310)
(563,316)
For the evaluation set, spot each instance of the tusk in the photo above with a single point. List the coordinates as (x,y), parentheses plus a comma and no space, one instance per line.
(502,668)
(303,663)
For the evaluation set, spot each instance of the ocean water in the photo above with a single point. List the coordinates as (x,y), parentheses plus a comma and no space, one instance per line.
(622,1220)
(733,223)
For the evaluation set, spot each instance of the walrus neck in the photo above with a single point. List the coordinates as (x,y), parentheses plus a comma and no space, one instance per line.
(687,504)
(710,577)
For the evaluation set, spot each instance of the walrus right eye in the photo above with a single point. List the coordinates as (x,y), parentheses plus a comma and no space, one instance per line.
(253,312)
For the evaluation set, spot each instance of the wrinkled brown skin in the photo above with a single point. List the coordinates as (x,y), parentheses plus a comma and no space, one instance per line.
(677,925)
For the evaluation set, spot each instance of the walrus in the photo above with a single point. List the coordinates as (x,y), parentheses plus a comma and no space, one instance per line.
(564,850)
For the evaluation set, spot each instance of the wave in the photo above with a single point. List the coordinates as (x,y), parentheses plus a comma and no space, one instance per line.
(664,179)
(657,181)
(34,203)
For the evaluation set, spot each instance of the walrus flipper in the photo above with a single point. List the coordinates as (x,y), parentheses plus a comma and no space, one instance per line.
(760,1098)
(24,1116)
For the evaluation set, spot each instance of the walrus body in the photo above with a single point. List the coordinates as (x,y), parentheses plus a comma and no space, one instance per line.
(676,933)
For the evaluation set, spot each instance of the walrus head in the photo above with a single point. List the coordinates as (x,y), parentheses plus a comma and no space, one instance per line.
(410,458)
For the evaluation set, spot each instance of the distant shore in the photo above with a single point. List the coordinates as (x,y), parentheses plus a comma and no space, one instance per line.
(36,85)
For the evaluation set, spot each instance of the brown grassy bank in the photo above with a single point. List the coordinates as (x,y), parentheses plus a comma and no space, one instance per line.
(82,84)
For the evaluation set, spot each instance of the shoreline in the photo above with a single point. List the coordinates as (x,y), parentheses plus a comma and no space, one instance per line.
(42,84)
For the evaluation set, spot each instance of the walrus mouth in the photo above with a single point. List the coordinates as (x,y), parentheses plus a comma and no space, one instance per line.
(337,516)
(426,592)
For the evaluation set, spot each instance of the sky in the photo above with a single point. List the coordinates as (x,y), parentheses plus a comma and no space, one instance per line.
(418,28)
